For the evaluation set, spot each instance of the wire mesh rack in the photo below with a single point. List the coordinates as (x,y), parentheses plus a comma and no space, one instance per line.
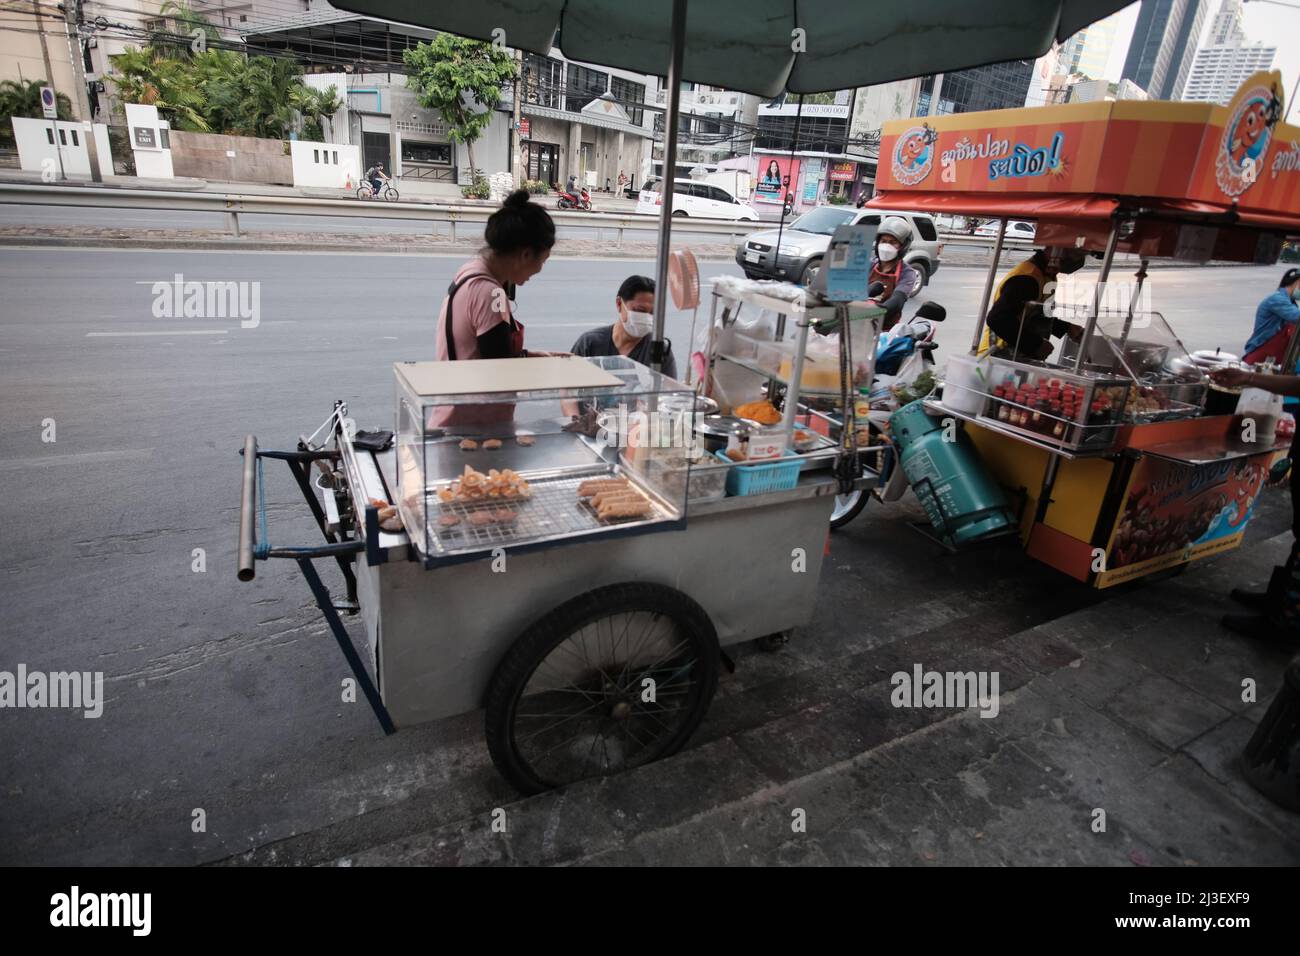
(553,511)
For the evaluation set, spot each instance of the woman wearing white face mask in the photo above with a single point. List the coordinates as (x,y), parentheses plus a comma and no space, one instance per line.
(631,334)
(900,281)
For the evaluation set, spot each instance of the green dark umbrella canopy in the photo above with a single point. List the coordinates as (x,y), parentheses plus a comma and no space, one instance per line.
(752,45)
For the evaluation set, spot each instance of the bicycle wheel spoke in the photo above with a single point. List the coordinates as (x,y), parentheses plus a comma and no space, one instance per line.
(559,723)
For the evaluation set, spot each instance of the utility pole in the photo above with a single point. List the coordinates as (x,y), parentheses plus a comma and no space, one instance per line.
(73,15)
(49,78)
(517,157)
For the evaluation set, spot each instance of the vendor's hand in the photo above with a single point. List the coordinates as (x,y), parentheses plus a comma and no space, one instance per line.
(1045,350)
(1230,377)
(1075,332)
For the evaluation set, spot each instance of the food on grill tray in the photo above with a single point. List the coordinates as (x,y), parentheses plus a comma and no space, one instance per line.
(492,444)
(614,498)
(593,485)
(525,440)
(1144,400)
(468,444)
(473,486)
(388,517)
(448,521)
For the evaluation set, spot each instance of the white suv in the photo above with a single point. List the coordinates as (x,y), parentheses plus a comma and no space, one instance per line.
(691,198)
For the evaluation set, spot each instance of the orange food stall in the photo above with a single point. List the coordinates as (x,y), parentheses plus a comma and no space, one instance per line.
(1122,457)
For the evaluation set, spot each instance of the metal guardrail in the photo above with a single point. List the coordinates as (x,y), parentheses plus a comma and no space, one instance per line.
(455,217)
(236,205)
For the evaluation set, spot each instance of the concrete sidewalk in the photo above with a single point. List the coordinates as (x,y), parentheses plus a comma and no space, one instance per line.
(1127,710)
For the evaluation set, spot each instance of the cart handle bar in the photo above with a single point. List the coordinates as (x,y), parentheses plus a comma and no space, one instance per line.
(247,495)
(248,551)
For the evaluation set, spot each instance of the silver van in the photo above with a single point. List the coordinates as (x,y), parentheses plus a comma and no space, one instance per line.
(804,242)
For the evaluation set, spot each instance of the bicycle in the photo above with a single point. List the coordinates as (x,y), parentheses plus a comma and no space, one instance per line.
(366,191)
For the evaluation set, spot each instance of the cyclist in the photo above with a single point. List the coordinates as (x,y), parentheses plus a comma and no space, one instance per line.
(375,174)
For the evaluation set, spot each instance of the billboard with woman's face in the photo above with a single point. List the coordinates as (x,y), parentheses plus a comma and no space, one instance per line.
(775,176)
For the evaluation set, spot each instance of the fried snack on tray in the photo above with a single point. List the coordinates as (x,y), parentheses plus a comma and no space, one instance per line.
(625,507)
(595,485)
(602,498)
(525,440)
(503,485)
(468,444)
(762,411)
(492,444)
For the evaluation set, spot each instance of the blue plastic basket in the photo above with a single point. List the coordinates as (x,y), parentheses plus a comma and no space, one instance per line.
(759,478)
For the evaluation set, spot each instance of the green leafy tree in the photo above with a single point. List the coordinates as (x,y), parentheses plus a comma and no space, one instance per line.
(23,99)
(186,20)
(152,77)
(315,106)
(461,79)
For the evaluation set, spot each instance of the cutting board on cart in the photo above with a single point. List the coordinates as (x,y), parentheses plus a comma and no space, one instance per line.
(486,376)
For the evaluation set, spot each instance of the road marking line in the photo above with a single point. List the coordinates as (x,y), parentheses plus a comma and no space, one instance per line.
(91,335)
(89,457)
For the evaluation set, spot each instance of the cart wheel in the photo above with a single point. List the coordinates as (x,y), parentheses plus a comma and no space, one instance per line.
(848,507)
(773,642)
(569,700)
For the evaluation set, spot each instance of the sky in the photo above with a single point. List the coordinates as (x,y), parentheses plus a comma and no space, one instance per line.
(1276,22)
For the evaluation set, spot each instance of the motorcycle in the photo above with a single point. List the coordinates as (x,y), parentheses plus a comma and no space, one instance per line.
(568,200)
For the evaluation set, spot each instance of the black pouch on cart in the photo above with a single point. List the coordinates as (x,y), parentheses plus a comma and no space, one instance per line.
(373,440)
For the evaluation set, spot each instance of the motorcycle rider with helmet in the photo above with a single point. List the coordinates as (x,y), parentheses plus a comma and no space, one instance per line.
(898,280)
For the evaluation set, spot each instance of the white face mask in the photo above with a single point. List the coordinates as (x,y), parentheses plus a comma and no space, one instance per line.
(638,324)
(886,252)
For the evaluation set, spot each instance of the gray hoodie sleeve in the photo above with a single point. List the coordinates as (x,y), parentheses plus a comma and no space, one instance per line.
(909,284)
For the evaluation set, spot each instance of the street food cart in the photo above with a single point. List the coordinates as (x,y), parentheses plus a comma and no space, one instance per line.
(481,551)
(1121,458)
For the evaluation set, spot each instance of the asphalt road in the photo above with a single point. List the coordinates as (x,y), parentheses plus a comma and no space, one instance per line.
(223,696)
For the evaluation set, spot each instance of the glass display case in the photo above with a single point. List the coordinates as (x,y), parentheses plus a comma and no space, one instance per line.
(768,348)
(519,452)
(1074,410)
(1167,382)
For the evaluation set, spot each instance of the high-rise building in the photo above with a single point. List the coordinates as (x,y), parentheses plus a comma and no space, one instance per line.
(1164,42)
(1220,69)
(994,87)
(1224,63)
(1088,51)
(1227,25)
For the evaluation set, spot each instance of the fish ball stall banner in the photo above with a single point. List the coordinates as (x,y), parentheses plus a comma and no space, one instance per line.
(1240,155)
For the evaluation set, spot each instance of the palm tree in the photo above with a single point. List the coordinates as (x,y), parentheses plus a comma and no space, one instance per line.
(23,99)
(151,77)
(315,105)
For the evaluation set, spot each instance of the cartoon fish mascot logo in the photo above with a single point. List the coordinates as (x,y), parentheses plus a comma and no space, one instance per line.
(914,155)
(1254,112)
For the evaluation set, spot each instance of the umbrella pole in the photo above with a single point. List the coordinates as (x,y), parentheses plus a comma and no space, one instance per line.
(676,48)
(988,286)
(1086,339)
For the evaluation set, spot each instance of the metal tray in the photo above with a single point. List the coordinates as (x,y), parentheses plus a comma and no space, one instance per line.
(554,467)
